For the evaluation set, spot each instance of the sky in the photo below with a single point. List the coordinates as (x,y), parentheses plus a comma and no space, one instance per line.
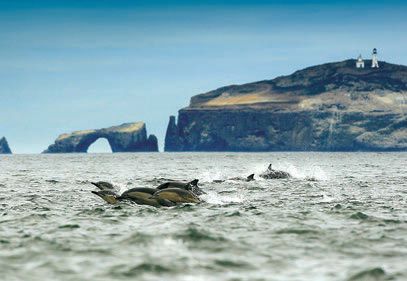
(73,65)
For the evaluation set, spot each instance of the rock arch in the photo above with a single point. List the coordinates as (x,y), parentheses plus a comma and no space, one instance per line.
(101,145)
(128,137)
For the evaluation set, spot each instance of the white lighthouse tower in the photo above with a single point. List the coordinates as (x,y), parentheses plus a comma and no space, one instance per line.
(375,62)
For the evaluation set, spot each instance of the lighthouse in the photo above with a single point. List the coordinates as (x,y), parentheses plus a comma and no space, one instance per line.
(375,62)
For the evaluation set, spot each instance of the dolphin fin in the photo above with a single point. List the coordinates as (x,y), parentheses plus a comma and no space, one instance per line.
(250,177)
(194,182)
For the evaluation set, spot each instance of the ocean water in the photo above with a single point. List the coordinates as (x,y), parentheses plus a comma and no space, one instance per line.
(342,216)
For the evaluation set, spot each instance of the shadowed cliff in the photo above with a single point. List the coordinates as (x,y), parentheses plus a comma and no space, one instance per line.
(4,147)
(328,107)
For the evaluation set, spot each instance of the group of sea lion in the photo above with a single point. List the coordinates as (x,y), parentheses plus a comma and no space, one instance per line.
(167,194)
(170,193)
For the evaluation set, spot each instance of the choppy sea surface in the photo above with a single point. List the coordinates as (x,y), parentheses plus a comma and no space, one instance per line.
(342,216)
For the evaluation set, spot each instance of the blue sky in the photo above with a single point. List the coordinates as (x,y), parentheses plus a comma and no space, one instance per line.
(70,65)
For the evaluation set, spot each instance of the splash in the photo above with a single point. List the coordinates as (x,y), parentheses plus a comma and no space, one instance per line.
(215,198)
(312,172)
(211,175)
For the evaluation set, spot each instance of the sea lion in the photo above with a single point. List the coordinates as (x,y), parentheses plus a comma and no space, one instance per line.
(178,184)
(248,178)
(141,195)
(177,195)
(103,185)
(274,174)
(150,196)
(107,195)
(145,190)
(191,186)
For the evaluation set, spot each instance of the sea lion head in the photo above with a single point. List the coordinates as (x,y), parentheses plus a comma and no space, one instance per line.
(194,188)
(107,195)
(103,185)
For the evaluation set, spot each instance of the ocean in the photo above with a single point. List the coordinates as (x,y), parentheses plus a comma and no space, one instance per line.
(342,216)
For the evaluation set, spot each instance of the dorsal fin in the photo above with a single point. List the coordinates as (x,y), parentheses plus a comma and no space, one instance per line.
(250,177)
(270,167)
(194,182)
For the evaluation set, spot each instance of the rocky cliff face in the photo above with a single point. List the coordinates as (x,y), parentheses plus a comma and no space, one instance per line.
(4,148)
(330,107)
(128,137)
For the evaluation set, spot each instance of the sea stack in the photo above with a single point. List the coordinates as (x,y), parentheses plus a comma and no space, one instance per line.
(338,106)
(128,137)
(4,147)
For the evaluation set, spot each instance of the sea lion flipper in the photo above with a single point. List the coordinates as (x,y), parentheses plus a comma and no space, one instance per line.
(165,202)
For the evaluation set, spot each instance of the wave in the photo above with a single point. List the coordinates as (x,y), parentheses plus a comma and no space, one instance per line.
(373,274)
(359,216)
(195,234)
(298,231)
(142,268)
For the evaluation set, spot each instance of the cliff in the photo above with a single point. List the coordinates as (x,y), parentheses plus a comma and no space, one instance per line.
(329,107)
(128,137)
(4,148)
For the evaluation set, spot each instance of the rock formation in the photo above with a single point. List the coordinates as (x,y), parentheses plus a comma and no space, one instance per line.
(329,107)
(4,148)
(128,137)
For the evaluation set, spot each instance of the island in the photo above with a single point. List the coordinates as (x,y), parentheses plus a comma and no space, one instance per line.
(339,106)
(4,147)
(128,137)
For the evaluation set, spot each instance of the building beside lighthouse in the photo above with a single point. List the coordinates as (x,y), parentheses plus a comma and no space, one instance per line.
(360,63)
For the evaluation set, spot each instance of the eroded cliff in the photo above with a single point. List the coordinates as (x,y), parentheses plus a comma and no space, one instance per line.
(330,107)
(128,137)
